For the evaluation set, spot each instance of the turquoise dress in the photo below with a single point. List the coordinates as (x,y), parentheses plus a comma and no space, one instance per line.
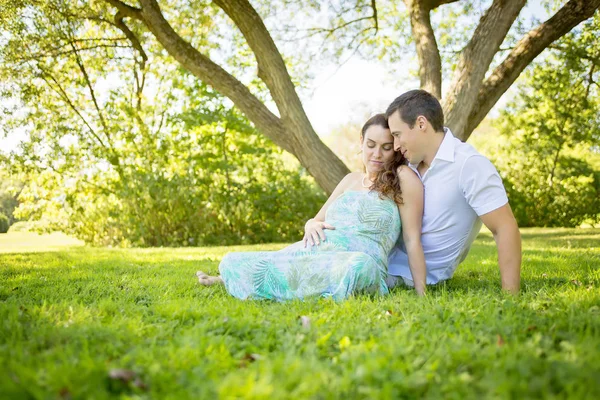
(352,259)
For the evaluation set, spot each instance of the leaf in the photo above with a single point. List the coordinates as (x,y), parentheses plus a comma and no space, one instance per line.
(500,341)
(249,358)
(345,343)
(64,393)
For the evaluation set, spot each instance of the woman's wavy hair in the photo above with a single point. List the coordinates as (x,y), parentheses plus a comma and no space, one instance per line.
(387,182)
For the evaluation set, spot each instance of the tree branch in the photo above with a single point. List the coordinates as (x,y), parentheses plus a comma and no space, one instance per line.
(273,71)
(433,4)
(526,50)
(135,42)
(126,9)
(60,53)
(475,60)
(212,74)
(140,83)
(374,16)
(591,81)
(88,82)
(63,94)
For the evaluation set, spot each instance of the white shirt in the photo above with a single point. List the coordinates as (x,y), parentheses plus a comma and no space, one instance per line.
(460,185)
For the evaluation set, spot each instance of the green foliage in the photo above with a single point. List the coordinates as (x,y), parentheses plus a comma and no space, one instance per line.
(9,191)
(549,157)
(208,178)
(71,317)
(125,148)
(3,223)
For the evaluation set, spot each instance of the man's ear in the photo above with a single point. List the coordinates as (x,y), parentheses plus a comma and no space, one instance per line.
(421,122)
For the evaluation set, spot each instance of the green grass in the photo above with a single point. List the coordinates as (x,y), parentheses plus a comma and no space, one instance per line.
(72,315)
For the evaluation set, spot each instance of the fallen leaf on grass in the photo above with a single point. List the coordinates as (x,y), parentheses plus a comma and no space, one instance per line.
(249,358)
(139,384)
(500,341)
(127,376)
(305,321)
(124,375)
(575,282)
(389,313)
(64,393)
(531,328)
(345,343)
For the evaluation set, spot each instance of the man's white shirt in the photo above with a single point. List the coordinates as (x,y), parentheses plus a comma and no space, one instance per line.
(459,186)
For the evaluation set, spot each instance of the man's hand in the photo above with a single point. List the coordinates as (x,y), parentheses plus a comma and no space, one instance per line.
(313,231)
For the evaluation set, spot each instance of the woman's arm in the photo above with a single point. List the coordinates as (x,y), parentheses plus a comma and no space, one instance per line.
(313,229)
(411,214)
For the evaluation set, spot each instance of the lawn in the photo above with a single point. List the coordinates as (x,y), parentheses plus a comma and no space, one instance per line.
(80,322)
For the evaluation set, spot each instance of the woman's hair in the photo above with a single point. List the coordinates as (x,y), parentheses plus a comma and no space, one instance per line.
(375,120)
(387,182)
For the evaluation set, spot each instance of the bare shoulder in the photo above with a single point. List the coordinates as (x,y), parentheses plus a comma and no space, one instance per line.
(408,176)
(349,180)
(353,177)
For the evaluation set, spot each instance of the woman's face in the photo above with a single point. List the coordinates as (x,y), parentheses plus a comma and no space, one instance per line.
(377,148)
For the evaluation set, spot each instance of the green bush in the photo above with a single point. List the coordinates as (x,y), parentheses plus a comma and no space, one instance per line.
(201,185)
(548,152)
(3,223)
(21,226)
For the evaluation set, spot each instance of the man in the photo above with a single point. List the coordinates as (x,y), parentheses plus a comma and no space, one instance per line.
(462,189)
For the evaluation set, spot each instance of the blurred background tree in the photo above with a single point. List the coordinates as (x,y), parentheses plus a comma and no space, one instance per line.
(127,144)
(547,151)
(124,147)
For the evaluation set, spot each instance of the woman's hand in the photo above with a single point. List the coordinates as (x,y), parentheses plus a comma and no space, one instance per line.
(313,231)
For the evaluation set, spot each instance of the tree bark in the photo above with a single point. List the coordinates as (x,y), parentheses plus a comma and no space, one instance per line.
(526,50)
(475,60)
(430,63)
(313,154)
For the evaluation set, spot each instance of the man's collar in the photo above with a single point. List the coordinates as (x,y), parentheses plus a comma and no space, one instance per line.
(446,150)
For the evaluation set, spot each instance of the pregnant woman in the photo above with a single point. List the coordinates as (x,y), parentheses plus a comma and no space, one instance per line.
(363,219)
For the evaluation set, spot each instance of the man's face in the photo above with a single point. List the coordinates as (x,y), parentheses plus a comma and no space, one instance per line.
(406,140)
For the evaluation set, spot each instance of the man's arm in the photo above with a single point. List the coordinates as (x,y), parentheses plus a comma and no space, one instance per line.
(503,225)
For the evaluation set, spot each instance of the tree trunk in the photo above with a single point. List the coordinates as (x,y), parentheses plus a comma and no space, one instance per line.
(293,131)
(430,63)
(313,154)
(526,50)
(475,60)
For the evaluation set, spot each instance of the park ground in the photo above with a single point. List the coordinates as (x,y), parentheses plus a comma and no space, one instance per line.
(82,322)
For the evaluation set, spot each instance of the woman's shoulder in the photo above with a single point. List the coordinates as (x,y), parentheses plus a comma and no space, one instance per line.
(408,178)
(405,172)
(353,176)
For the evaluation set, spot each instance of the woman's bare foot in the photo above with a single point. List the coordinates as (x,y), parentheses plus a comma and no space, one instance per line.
(208,280)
